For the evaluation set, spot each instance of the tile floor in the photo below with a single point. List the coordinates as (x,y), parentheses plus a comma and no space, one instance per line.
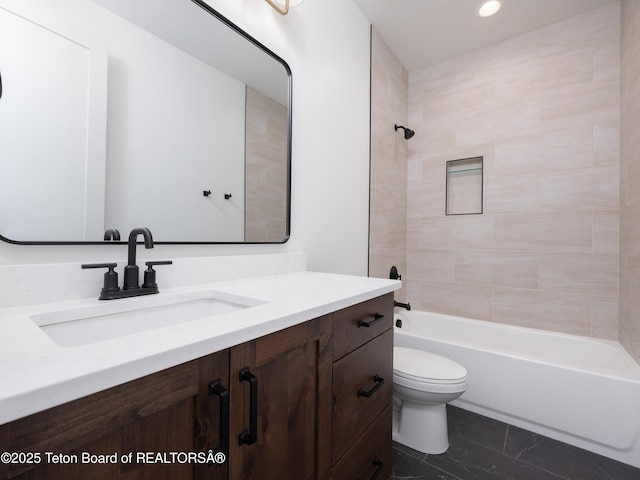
(485,449)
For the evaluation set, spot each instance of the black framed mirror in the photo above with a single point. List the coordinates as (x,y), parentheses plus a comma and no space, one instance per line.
(158,113)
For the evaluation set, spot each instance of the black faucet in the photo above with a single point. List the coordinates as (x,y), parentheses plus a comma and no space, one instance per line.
(131,288)
(131,270)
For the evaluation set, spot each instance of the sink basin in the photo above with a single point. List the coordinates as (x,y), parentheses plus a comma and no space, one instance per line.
(77,326)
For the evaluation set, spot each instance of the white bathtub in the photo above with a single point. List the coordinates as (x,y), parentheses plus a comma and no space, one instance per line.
(579,390)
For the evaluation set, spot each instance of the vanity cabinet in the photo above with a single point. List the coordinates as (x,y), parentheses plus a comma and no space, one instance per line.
(283,406)
(362,390)
(168,411)
(292,405)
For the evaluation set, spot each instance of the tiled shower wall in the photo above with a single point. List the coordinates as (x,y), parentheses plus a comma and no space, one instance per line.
(388,206)
(543,109)
(265,169)
(630,180)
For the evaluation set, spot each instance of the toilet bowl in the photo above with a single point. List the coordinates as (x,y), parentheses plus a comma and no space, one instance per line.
(423,383)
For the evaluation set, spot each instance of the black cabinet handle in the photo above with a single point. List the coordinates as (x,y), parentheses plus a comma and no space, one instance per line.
(216,388)
(250,436)
(377,317)
(380,465)
(379,383)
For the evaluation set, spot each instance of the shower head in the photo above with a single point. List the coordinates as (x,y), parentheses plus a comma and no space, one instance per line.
(408,133)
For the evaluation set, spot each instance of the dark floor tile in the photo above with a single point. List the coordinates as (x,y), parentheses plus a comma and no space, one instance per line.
(471,461)
(408,466)
(485,449)
(565,460)
(476,428)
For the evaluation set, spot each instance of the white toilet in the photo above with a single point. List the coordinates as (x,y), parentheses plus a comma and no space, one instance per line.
(422,385)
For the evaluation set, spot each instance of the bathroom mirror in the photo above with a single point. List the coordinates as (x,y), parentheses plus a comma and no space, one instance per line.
(118,114)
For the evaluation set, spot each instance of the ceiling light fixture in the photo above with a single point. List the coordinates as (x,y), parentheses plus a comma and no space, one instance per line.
(283,6)
(489,8)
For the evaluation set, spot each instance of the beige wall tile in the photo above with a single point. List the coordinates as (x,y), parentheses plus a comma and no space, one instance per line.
(580,105)
(469,301)
(630,229)
(584,189)
(389,152)
(630,280)
(540,232)
(606,231)
(427,201)
(544,110)
(512,194)
(604,318)
(606,143)
(546,106)
(565,149)
(549,311)
(431,265)
(518,270)
(589,273)
(458,232)
(630,329)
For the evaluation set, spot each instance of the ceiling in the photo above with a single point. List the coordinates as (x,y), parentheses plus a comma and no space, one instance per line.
(425,32)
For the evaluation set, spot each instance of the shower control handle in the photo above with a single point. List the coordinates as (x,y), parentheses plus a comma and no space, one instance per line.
(376,318)
(379,382)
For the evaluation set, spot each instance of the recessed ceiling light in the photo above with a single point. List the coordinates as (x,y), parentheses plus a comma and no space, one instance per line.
(489,8)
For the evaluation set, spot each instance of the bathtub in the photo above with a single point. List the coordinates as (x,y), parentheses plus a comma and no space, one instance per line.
(579,390)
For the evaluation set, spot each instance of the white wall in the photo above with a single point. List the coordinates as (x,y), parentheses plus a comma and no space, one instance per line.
(326,43)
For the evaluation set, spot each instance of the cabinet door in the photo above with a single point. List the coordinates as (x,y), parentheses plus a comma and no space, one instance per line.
(288,436)
(129,429)
(362,388)
(212,415)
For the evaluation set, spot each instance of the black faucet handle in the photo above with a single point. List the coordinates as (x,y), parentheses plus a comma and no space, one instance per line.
(110,277)
(99,265)
(150,273)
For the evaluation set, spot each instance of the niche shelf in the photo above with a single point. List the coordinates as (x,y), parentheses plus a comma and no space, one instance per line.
(464,186)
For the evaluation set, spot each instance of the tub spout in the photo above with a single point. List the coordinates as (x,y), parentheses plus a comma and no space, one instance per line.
(402,305)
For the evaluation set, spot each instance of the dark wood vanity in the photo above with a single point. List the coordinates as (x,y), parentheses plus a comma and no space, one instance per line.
(312,401)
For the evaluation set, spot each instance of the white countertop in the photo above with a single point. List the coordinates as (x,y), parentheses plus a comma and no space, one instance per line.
(36,373)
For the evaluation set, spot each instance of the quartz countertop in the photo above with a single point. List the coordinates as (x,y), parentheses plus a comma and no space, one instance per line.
(36,373)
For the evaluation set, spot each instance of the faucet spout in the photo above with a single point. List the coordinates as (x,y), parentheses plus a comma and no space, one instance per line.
(133,236)
(131,275)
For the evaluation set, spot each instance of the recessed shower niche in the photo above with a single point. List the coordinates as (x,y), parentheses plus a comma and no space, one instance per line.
(464,186)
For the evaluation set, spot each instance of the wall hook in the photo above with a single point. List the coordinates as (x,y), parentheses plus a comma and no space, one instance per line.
(206,193)
(227,196)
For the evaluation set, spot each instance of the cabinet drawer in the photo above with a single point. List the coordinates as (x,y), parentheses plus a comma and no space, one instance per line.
(370,456)
(350,328)
(362,388)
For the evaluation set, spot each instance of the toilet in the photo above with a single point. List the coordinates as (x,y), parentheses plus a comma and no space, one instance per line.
(423,383)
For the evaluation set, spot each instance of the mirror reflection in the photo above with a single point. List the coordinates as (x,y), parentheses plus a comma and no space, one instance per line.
(159,113)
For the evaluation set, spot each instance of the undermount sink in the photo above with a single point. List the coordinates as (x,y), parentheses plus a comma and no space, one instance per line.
(84,325)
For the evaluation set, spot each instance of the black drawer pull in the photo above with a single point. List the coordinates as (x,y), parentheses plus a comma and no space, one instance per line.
(216,388)
(380,465)
(377,317)
(249,437)
(379,383)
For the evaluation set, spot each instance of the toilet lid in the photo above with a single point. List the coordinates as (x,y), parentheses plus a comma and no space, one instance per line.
(426,367)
